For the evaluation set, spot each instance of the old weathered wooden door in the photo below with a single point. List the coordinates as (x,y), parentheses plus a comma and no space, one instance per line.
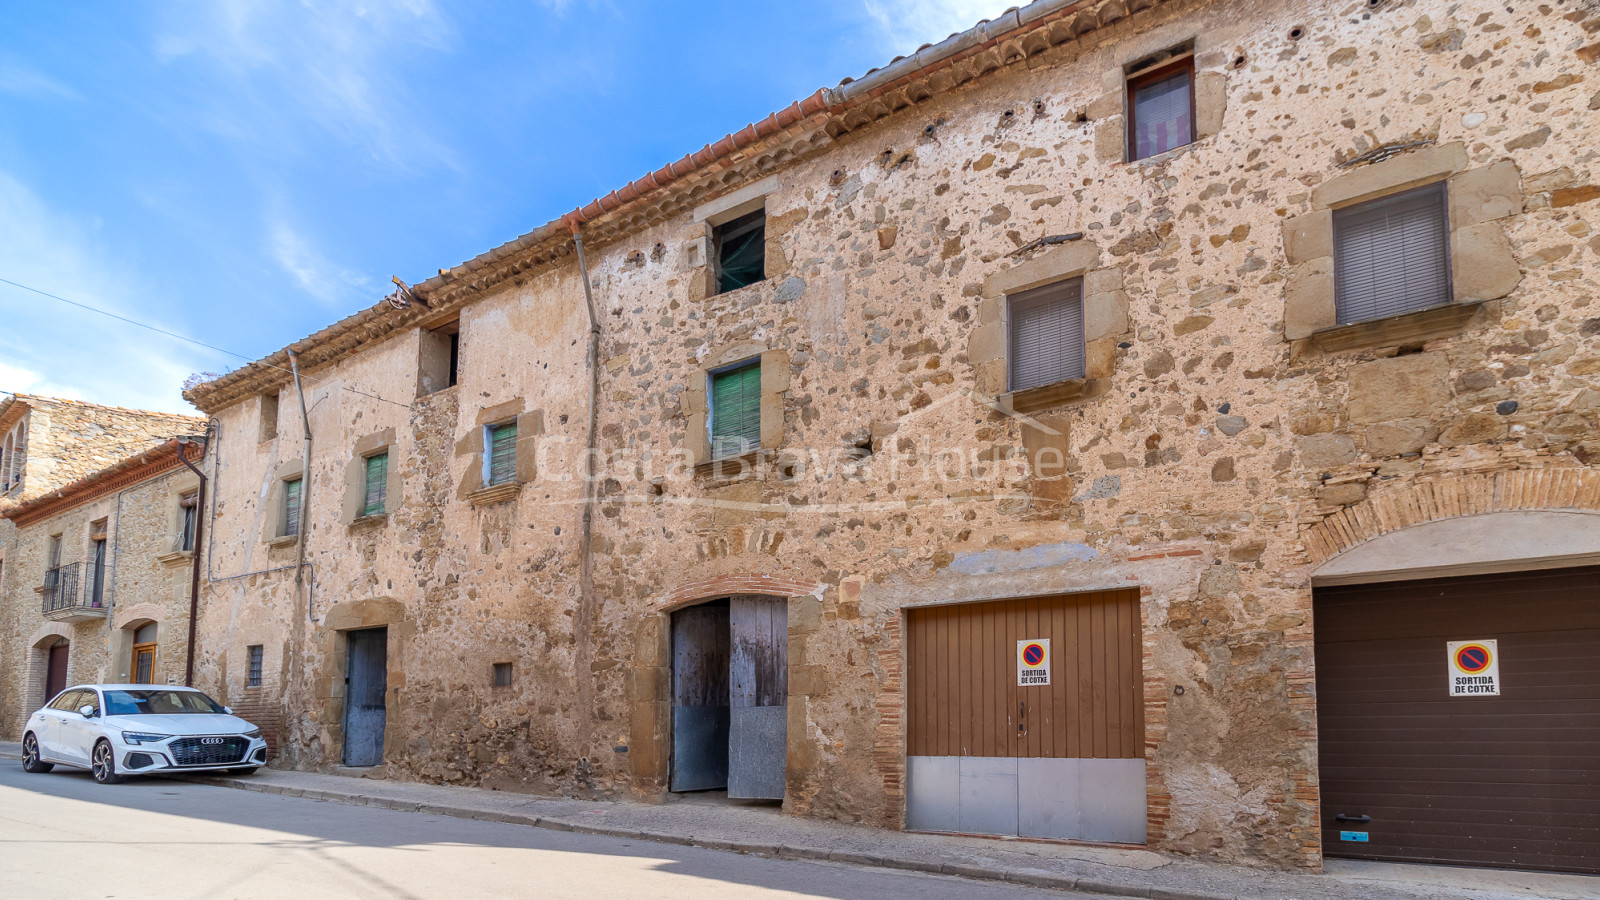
(759,695)
(366,683)
(55,679)
(700,697)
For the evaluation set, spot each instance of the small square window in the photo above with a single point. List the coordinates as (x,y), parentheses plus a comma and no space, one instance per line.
(1046,334)
(291,507)
(1391,255)
(1161,109)
(253,675)
(741,249)
(376,498)
(502,674)
(736,410)
(500,453)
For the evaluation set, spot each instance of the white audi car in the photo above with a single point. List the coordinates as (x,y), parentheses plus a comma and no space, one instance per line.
(115,730)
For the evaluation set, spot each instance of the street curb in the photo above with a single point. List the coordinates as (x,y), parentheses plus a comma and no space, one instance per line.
(872,860)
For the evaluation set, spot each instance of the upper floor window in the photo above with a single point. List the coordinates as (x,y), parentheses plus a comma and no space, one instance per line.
(1161,108)
(439,357)
(741,251)
(1391,255)
(376,498)
(1046,334)
(500,453)
(97,571)
(291,506)
(269,416)
(253,672)
(13,456)
(736,410)
(188,512)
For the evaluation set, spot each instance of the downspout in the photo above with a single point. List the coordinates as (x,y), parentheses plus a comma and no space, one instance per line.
(586,600)
(194,562)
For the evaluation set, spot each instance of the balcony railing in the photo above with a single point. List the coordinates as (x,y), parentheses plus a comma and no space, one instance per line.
(75,591)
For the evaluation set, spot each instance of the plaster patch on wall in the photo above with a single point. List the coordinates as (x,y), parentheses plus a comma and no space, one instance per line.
(991,562)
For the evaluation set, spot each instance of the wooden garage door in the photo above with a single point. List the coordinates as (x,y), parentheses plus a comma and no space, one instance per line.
(964,698)
(1511,780)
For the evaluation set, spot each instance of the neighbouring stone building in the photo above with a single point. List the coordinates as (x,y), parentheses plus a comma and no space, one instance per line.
(95,564)
(1212,344)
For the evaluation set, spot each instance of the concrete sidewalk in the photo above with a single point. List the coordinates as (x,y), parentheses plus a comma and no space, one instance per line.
(763,830)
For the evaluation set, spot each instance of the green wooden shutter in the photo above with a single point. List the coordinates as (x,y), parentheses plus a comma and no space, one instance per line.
(291,507)
(377,485)
(502,453)
(736,411)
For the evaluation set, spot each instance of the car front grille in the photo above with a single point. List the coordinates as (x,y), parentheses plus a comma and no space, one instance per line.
(208,751)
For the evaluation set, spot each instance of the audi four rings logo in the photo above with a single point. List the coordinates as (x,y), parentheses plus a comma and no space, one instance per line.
(211,740)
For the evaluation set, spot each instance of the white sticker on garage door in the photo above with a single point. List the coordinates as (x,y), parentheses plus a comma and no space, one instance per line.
(1474,668)
(1033,662)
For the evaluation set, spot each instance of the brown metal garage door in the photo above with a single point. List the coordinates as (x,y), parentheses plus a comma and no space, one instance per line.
(1511,780)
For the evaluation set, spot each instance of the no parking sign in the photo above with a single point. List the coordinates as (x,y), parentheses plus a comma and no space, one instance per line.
(1474,668)
(1033,662)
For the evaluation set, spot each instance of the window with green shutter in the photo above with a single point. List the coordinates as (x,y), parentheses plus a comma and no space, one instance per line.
(377,485)
(291,507)
(501,447)
(736,411)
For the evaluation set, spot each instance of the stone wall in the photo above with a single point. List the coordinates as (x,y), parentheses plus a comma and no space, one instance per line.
(1218,449)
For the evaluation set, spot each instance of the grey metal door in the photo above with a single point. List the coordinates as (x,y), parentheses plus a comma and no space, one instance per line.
(366,682)
(700,697)
(759,696)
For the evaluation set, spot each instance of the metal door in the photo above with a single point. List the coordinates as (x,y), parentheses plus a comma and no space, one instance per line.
(759,696)
(700,697)
(55,680)
(366,682)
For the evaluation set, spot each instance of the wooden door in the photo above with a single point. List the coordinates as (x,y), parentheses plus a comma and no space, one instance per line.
(758,729)
(144,663)
(700,652)
(55,679)
(1409,772)
(366,684)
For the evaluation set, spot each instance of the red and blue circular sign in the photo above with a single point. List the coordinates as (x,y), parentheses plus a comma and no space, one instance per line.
(1473,658)
(1033,654)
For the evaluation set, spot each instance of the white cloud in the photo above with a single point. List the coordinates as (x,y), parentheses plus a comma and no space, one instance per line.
(336,287)
(23,81)
(49,347)
(338,66)
(908,24)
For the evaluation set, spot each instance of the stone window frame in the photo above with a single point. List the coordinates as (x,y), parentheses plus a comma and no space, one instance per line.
(1483,266)
(275,514)
(180,484)
(1105,321)
(354,498)
(530,426)
(699,249)
(1211,52)
(775,377)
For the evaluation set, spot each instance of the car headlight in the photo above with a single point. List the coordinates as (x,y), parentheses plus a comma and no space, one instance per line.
(253,733)
(140,737)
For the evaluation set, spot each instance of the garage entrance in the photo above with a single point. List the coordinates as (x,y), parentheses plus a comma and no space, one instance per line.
(1410,771)
(1026,717)
(730,695)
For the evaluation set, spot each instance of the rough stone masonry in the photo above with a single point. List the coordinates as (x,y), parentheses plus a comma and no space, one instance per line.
(1227,436)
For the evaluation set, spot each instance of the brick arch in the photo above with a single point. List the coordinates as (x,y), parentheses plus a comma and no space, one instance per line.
(737,583)
(143,612)
(1448,497)
(46,635)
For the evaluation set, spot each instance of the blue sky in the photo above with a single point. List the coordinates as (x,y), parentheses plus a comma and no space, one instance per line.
(246,172)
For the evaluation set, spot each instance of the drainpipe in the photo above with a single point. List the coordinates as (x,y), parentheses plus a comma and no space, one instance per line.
(194,561)
(586,602)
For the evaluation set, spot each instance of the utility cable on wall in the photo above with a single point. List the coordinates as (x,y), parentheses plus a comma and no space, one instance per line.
(190,340)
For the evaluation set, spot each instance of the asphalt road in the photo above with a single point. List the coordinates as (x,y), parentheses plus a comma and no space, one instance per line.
(62,835)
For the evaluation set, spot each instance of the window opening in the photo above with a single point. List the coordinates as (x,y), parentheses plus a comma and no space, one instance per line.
(1391,255)
(377,493)
(291,506)
(736,410)
(501,448)
(1046,334)
(1161,109)
(741,247)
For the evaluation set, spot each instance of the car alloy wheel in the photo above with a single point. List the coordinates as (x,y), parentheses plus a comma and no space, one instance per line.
(104,764)
(30,756)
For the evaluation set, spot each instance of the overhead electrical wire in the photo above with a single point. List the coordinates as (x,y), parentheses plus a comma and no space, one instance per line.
(190,340)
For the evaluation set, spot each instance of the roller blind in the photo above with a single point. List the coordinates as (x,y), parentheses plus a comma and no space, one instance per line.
(736,411)
(502,453)
(291,507)
(1046,334)
(377,484)
(1391,256)
(1162,118)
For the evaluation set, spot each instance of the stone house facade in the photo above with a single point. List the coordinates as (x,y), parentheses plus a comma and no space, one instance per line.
(435,585)
(98,578)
